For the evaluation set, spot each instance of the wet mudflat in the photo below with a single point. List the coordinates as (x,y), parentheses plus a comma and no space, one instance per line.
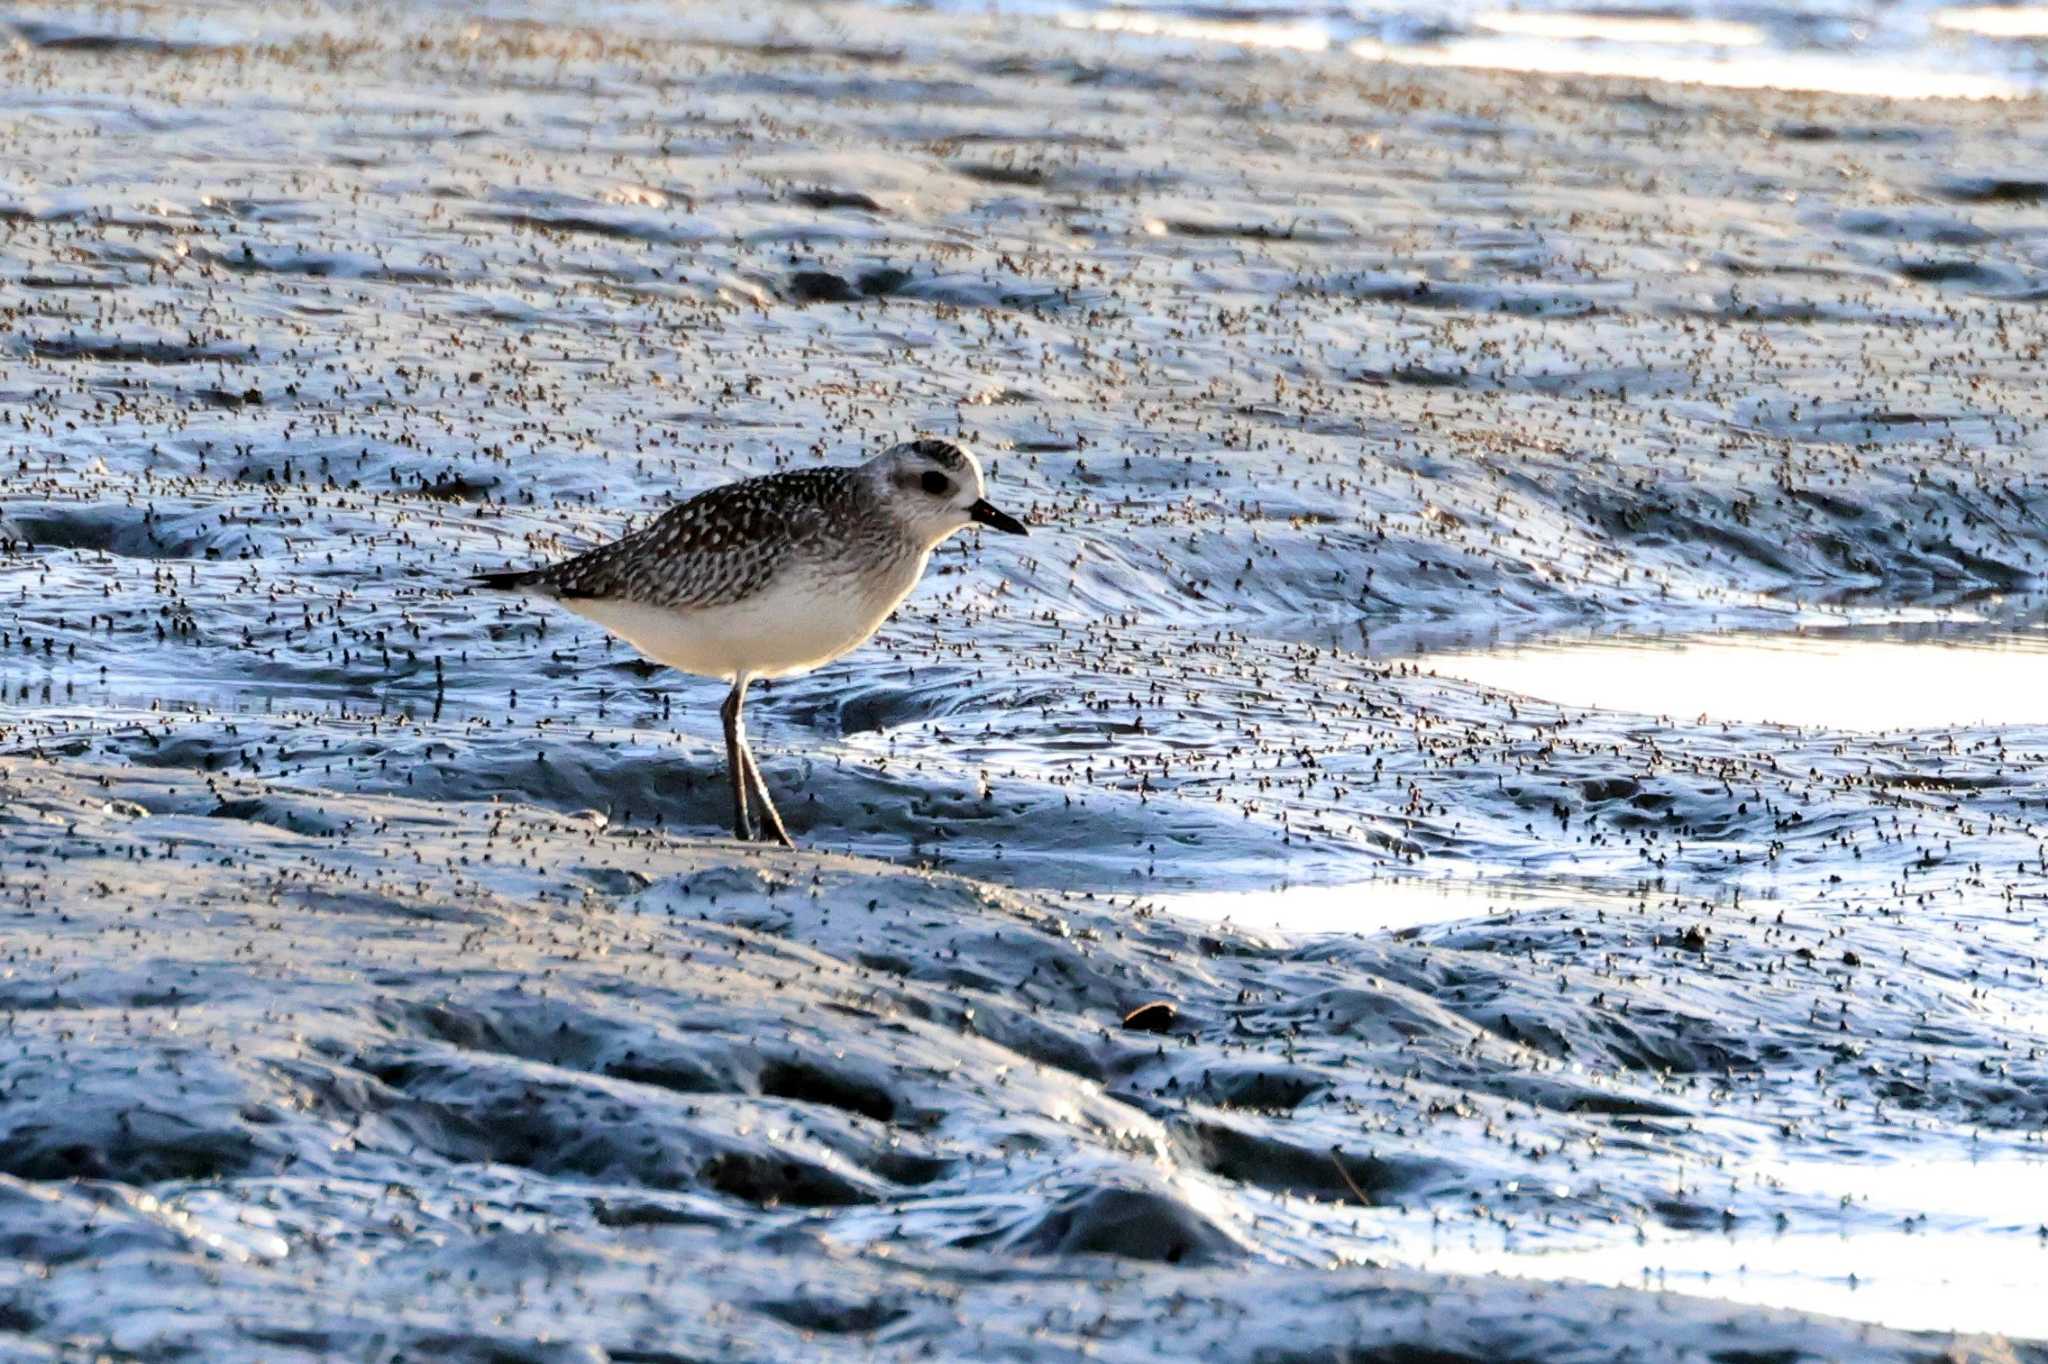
(377,983)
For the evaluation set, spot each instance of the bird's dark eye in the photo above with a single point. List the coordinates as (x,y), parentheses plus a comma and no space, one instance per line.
(936,483)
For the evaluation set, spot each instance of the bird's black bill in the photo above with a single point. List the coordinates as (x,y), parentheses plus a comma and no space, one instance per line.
(982,512)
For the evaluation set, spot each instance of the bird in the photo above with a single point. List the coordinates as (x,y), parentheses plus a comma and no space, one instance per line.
(771,577)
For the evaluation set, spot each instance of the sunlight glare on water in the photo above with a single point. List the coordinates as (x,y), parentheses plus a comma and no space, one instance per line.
(1957,53)
(1996,21)
(1389,904)
(1815,72)
(1622,28)
(1965,1254)
(1296,37)
(1820,680)
(1905,1279)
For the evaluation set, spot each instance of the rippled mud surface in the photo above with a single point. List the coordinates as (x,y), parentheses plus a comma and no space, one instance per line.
(375,980)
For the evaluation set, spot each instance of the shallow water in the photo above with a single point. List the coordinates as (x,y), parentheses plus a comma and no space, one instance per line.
(1394,904)
(1912,1279)
(378,977)
(1915,50)
(1874,678)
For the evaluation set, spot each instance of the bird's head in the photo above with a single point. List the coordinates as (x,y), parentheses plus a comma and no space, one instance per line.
(933,487)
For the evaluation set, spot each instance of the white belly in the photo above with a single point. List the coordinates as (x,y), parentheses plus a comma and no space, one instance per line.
(795,625)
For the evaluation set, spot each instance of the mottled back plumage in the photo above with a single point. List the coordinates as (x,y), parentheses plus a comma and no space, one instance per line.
(725,545)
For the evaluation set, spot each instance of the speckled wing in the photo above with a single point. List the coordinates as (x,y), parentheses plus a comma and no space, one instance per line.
(721,546)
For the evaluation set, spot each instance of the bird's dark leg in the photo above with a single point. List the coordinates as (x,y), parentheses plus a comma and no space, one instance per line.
(761,789)
(736,763)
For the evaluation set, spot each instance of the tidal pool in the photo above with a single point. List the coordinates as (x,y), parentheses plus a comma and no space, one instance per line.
(1868,677)
(1907,51)
(1966,1247)
(1907,1278)
(1393,904)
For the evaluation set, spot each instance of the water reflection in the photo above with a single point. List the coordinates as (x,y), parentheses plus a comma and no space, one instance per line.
(1932,675)
(1296,37)
(1899,63)
(1907,1279)
(1622,28)
(1996,21)
(1389,904)
(1926,1243)
(1818,72)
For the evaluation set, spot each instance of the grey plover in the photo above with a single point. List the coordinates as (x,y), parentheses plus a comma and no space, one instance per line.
(772,576)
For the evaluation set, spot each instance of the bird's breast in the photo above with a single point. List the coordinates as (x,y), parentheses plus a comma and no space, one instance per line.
(803,618)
